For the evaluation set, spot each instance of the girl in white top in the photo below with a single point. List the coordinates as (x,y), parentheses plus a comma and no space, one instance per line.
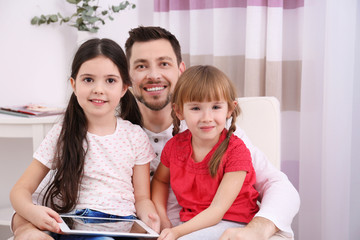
(100,160)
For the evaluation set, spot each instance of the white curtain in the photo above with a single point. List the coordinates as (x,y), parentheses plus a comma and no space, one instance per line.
(256,43)
(330,114)
(306,54)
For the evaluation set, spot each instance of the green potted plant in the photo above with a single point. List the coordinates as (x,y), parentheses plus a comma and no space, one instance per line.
(87,17)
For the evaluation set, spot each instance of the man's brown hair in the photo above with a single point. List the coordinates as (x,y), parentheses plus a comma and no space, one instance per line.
(145,34)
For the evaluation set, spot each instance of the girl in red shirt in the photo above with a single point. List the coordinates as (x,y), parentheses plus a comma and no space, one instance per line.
(209,169)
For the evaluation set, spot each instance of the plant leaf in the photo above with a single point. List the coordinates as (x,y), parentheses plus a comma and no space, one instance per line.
(53,18)
(73,1)
(42,20)
(94,29)
(85,15)
(34,20)
(123,5)
(66,19)
(88,11)
(115,8)
(91,19)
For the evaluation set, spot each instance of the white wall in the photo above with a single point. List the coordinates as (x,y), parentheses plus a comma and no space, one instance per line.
(35,60)
(35,65)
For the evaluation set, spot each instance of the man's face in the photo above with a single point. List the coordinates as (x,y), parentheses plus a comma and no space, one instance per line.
(154,72)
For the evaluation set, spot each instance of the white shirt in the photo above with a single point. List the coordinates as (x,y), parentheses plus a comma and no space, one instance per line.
(107,182)
(280,201)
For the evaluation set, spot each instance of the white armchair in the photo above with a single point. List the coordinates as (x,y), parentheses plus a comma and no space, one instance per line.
(260,119)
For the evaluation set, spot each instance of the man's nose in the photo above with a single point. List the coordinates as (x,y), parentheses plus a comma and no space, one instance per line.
(153,74)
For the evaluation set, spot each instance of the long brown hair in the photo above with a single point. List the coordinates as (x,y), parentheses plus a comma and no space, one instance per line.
(62,193)
(205,83)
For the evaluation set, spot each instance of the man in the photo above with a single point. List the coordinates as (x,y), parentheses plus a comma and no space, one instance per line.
(155,63)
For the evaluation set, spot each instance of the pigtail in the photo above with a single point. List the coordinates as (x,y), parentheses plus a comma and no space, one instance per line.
(129,109)
(215,161)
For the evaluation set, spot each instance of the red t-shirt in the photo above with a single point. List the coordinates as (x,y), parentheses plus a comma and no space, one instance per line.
(193,185)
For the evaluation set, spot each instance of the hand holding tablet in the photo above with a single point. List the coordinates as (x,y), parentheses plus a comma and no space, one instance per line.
(79,225)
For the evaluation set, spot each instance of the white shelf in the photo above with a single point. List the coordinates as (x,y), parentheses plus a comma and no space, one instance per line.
(21,127)
(5,215)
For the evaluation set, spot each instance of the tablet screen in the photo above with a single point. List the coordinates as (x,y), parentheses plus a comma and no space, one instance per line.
(103,224)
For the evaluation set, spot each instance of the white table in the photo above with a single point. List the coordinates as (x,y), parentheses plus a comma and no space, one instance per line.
(22,127)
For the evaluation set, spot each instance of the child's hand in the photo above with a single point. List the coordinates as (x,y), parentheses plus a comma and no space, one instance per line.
(153,221)
(165,224)
(168,234)
(45,218)
(29,232)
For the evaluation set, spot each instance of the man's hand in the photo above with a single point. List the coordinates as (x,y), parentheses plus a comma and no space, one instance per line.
(259,228)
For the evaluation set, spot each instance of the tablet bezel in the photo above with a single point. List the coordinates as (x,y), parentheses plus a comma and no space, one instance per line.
(66,230)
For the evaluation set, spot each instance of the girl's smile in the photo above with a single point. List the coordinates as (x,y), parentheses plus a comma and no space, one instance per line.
(98,102)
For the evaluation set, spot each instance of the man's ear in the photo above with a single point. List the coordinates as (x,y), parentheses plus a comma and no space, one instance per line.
(182,67)
(178,113)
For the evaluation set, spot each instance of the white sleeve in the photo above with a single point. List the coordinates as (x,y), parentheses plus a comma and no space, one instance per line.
(280,201)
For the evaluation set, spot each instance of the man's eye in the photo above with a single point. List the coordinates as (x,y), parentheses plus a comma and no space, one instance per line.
(165,64)
(140,66)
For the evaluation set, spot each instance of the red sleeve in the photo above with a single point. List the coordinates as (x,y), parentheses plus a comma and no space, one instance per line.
(165,154)
(238,156)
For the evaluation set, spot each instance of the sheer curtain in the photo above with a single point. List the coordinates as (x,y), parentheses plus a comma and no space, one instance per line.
(330,117)
(256,43)
(305,53)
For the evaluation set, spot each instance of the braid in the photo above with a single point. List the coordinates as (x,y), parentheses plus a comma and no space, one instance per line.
(234,115)
(220,151)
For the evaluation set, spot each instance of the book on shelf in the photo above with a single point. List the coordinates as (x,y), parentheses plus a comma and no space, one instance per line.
(31,110)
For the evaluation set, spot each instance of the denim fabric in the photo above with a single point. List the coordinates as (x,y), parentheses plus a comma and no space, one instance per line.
(92,213)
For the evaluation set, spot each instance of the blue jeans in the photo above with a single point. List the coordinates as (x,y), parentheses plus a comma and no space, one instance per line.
(92,213)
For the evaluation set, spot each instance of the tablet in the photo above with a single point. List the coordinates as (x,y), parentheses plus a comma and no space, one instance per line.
(79,225)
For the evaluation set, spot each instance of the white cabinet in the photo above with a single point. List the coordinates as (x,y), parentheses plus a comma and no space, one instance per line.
(34,128)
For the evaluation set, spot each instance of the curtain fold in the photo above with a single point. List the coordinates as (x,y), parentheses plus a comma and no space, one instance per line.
(255,42)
